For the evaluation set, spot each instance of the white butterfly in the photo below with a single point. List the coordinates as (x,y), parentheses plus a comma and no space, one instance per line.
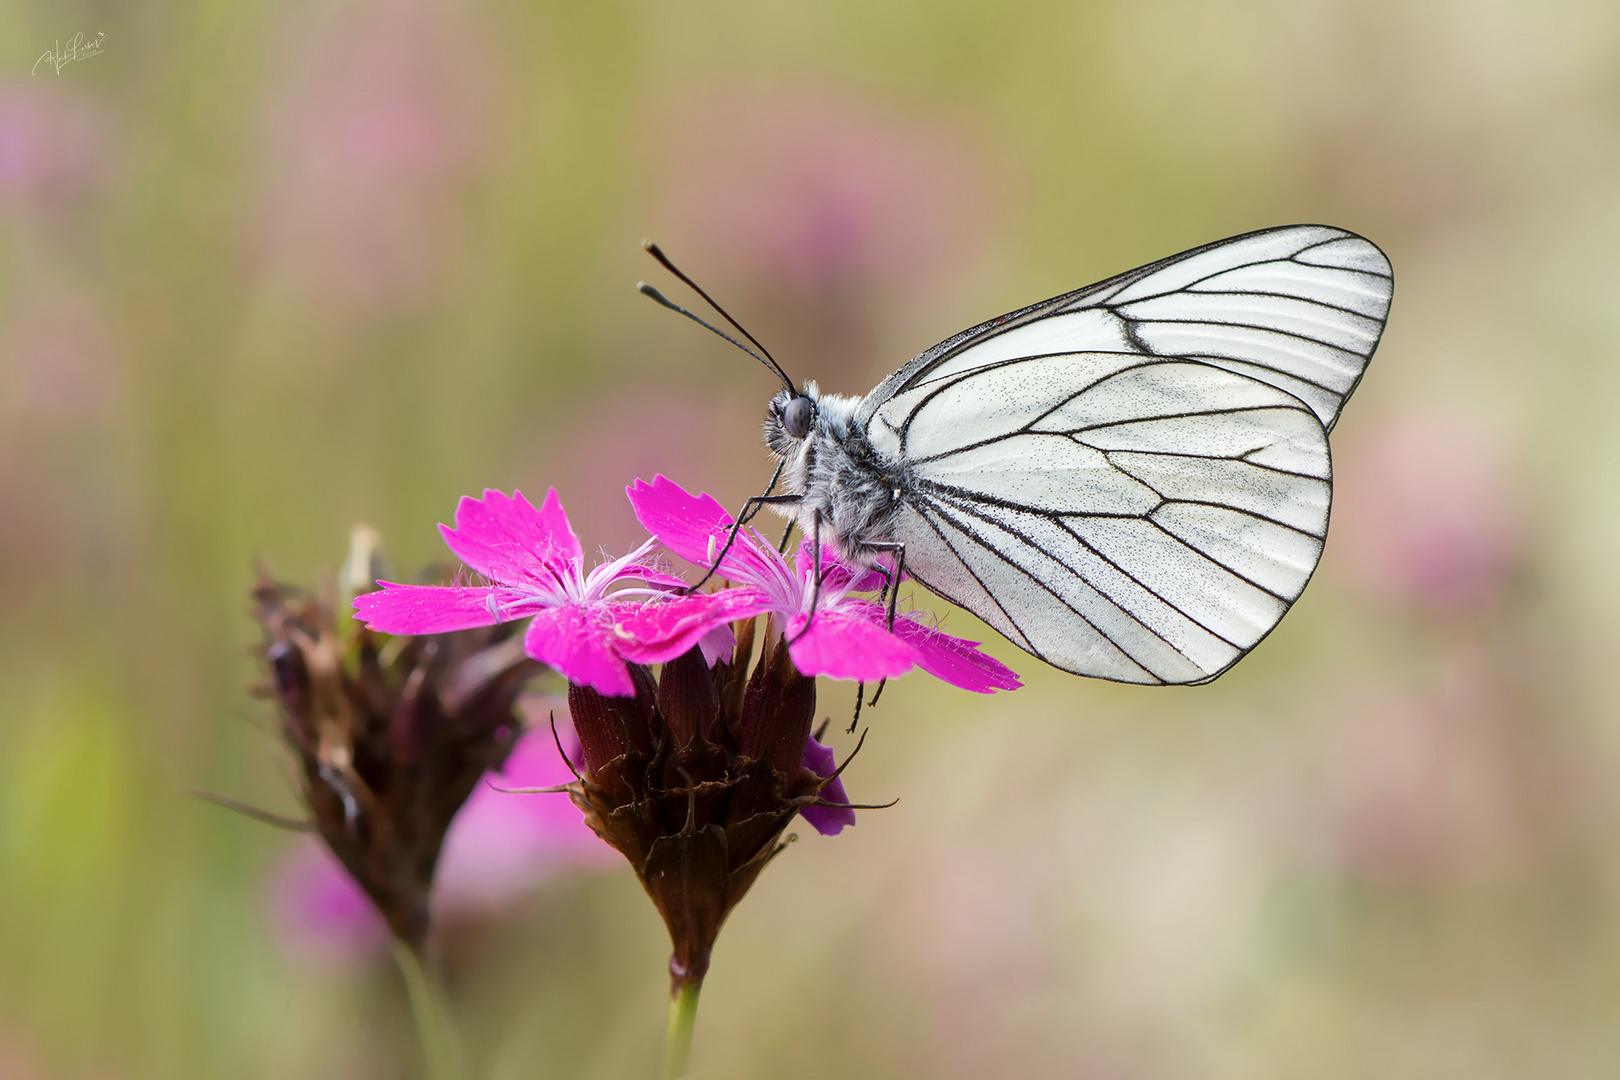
(1130,481)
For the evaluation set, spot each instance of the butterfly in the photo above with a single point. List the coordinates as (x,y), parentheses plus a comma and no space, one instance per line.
(1130,481)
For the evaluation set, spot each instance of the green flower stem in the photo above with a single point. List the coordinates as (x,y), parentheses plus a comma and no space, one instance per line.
(683,1002)
(440,1047)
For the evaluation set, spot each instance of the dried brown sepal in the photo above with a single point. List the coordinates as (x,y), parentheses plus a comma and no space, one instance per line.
(701,812)
(389,742)
(687,698)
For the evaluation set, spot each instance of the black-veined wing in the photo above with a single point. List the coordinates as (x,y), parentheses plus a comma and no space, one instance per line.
(1137,521)
(1299,307)
(1132,480)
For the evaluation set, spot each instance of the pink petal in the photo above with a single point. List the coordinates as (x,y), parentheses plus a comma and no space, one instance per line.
(654,632)
(498,563)
(718,644)
(846,644)
(688,524)
(431,609)
(508,540)
(826,820)
(681,521)
(955,660)
(555,523)
(578,643)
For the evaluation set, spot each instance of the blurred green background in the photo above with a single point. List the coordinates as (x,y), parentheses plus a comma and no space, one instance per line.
(269,269)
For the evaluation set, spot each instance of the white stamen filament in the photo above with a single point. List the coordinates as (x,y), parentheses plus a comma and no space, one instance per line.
(622,593)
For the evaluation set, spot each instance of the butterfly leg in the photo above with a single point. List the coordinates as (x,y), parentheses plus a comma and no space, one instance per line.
(750,510)
(889,595)
(891,582)
(888,582)
(860,692)
(752,506)
(889,588)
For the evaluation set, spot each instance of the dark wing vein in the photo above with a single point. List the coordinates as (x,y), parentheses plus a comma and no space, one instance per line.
(937,508)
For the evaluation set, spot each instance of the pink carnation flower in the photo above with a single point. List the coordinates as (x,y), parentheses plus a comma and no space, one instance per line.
(581,624)
(847,638)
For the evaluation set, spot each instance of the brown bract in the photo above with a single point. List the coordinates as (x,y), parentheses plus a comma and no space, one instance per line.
(391,735)
(695,779)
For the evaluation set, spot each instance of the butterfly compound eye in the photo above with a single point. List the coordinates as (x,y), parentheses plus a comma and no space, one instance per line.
(797,416)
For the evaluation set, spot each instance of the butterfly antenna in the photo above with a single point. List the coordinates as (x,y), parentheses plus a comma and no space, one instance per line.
(647,290)
(767,359)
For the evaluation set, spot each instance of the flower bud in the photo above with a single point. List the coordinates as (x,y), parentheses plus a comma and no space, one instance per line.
(389,742)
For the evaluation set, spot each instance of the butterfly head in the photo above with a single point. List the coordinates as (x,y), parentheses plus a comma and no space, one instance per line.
(790,419)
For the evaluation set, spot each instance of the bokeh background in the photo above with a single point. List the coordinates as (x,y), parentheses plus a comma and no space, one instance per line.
(271,269)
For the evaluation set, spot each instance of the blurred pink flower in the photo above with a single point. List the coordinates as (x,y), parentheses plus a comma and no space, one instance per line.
(1428,508)
(811,185)
(371,125)
(502,843)
(53,140)
(318,913)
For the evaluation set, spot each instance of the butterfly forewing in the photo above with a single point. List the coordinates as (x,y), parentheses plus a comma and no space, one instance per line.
(1300,307)
(1132,481)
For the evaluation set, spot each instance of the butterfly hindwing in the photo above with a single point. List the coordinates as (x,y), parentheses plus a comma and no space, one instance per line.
(1150,522)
